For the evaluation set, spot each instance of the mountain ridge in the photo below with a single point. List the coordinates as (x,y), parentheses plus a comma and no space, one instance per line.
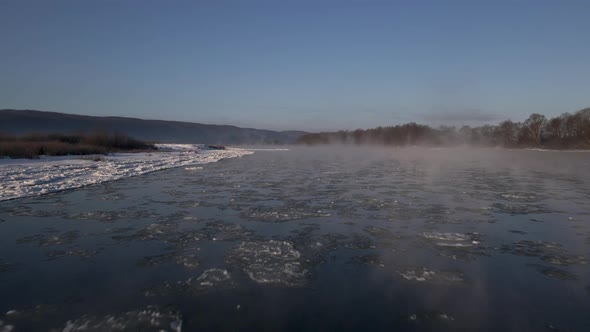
(13,121)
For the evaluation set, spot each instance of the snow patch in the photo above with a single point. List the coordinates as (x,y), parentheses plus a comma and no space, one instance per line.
(22,178)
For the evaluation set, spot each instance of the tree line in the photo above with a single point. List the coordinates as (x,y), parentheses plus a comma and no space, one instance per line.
(34,145)
(567,131)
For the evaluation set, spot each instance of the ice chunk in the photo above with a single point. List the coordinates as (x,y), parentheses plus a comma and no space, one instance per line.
(457,246)
(270,262)
(565,259)
(532,248)
(43,240)
(183,258)
(446,236)
(149,319)
(211,278)
(428,316)
(554,272)
(433,276)
(220,231)
(282,214)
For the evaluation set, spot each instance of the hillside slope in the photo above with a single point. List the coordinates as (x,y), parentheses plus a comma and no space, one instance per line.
(27,121)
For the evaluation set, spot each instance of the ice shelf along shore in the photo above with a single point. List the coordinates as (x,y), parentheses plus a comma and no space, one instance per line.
(24,177)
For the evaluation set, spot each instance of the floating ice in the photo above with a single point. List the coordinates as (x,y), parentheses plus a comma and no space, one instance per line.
(456,246)
(281,214)
(446,236)
(154,231)
(554,272)
(27,211)
(532,248)
(270,262)
(519,208)
(515,231)
(185,259)
(211,278)
(5,327)
(149,319)
(51,239)
(550,252)
(371,260)
(118,230)
(381,234)
(433,276)
(315,247)
(220,231)
(77,252)
(565,259)
(21,178)
(359,242)
(111,216)
(166,289)
(189,261)
(428,316)
(520,197)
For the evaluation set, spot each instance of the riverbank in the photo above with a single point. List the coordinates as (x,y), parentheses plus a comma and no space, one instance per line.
(32,177)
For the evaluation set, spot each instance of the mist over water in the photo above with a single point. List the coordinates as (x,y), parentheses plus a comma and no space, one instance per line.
(322,238)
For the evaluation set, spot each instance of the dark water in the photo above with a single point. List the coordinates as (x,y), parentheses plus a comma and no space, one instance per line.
(310,240)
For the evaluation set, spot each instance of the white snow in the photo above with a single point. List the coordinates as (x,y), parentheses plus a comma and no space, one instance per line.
(24,177)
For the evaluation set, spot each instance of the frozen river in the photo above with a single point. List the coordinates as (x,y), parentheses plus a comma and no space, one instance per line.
(310,239)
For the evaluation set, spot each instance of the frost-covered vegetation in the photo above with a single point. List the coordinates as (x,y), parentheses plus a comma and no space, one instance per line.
(567,131)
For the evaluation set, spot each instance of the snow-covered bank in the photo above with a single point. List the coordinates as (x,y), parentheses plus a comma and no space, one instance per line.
(23,177)
(557,150)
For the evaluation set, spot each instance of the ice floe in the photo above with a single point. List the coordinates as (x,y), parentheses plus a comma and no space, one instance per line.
(519,197)
(554,272)
(549,252)
(220,231)
(452,239)
(428,316)
(281,214)
(432,276)
(370,260)
(185,259)
(269,262)
(211,278)
(52,239)
(72,252)
(532,248)
(149,319)
(41,318)
(456,246)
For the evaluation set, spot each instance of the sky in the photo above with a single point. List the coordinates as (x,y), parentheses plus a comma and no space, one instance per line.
(305,65)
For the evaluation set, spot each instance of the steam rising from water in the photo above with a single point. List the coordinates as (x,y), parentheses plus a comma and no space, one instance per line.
(391,239)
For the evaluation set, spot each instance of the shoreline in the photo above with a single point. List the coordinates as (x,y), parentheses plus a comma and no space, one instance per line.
(20,178)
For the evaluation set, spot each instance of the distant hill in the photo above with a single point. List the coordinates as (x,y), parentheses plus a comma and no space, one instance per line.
(28,121)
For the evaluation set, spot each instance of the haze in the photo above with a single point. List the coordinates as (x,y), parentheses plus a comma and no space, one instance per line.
(307,65)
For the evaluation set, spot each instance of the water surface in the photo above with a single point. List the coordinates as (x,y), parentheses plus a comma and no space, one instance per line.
(310,239)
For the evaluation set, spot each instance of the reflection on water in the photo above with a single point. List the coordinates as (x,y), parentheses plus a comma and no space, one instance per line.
(309,239)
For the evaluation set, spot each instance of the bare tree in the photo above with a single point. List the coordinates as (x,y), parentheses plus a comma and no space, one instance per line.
(507,133)
(535,125)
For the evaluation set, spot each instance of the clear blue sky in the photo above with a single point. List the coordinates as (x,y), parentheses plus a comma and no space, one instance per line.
(311,65)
